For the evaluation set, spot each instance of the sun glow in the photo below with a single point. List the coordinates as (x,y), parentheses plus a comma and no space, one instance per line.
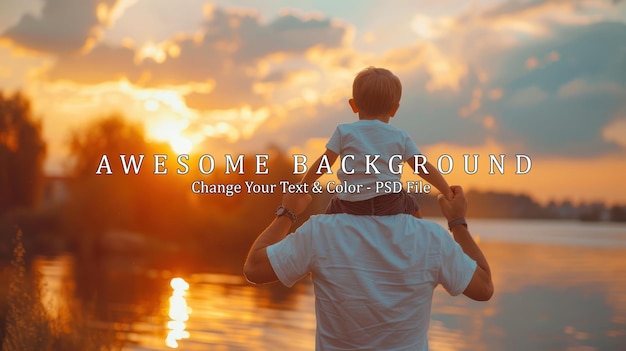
(151,105)
(168,118)
(171,131)
(151,50)
(181,145)
(155,99)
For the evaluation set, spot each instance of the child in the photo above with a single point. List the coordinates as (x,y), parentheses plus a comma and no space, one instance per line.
(376,98)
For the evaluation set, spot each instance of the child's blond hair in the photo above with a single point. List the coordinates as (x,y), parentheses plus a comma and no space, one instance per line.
(376,91)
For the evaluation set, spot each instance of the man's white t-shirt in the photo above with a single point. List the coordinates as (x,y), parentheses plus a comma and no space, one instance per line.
(370,137)
(373,277)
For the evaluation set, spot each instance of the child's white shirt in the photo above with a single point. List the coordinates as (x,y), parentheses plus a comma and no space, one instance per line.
(370,137)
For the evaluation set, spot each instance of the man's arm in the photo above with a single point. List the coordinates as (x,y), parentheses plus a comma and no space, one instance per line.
(480,287)
(257,268)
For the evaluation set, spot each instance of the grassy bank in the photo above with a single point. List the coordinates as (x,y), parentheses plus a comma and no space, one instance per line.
(26,324)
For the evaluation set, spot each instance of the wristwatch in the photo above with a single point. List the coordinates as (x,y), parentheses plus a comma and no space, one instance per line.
(458,221)
(283,211)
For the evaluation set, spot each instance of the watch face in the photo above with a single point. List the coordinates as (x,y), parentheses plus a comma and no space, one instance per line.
(281,211)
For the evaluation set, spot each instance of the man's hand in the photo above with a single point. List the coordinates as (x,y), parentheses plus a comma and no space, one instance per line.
(296,202)
(448,194)
(455,208)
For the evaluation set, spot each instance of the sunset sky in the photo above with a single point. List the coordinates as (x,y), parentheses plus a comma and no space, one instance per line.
(545,78)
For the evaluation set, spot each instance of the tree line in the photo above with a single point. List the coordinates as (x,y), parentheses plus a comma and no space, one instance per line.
(159,213)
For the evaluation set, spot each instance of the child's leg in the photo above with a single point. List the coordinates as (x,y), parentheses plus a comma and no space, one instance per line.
(412,206)
(393,204)
(382,205)
(334,206)
(363,207)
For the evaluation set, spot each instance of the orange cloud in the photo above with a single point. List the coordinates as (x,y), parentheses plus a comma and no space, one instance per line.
(446,71)
(615,131)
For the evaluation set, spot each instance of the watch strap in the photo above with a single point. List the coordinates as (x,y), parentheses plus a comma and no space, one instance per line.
(283,211)
(459,221)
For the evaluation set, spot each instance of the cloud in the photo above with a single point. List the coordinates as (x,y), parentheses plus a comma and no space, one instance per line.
(590,51)
(536,17)
(155,21)
(521,8)
(580,87)
(64,26)
(561,126)
(527,97)
(301,123)
(558,77)
(559,108)
(102,64)
(516,73)
(14,67)
(235,90)
(434,116)
(287,34)
(485,36)
(615,131)
(228,53)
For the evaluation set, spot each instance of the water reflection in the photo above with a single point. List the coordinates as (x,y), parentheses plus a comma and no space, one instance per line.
(549,296)
(178,312)
(56,279)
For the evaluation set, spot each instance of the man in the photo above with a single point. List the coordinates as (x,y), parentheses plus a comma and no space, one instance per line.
(373,276)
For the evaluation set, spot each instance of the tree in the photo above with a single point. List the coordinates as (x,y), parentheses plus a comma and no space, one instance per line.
(22,150)
(102,202)
(112,135)
(143,203)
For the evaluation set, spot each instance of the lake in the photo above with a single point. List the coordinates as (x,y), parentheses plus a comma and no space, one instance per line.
(560,285)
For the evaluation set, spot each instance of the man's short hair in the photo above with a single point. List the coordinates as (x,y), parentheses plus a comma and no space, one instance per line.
(376,91)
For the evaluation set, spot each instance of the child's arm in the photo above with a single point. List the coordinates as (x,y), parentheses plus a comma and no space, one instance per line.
(310,177)
(435,179)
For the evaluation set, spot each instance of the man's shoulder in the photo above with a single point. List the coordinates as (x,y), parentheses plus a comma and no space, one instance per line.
(400,221)
(423,225)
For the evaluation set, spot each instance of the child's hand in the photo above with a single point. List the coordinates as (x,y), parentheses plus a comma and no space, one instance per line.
(448,194)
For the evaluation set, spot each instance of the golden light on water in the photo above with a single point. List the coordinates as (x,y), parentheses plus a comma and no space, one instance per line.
(56,284)
(179,313)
